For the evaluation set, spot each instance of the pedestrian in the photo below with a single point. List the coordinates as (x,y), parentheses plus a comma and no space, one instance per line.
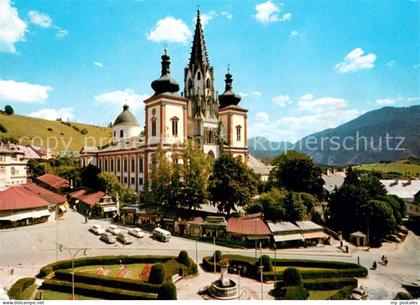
(358,260)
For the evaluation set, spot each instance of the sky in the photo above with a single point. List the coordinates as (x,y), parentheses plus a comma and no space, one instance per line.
(300,66)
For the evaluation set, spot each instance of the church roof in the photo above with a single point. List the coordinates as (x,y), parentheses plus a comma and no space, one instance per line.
(199,51)
(229,97)
(126,117)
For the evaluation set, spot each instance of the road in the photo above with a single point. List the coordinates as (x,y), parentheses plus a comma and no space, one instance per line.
(27,249)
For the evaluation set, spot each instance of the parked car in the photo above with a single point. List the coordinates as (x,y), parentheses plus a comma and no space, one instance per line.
(123,238)
(394,238)
(97,229)
(137,232)
(108,238)
(358,293)
(113,229)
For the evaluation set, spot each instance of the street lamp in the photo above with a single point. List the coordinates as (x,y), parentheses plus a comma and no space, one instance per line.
(261,267)
(73,255)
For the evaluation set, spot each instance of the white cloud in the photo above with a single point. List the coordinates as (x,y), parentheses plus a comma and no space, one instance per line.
(40,19)
(390,63)
(61,33)
(262,117)
(270,12)
(170,29)
(252,93)
(12,28)
(308,103)
(226,14)
(355,61)
(98,64)
(53,114)
(325,112)
(385,101)
(413,99)
(114,100)
(206,17)
(294,34)
(281,100)
(22,92)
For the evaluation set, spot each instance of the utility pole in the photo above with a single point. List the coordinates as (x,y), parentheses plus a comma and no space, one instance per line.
(196,252)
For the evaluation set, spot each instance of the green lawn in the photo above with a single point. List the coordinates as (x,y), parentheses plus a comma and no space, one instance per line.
(401,167)
(56,295)
(134,270)
(320,294)
(59,136)
(280,269)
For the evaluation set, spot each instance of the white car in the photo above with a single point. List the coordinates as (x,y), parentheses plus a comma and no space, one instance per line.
(97,229)
(113,229)
(137,232)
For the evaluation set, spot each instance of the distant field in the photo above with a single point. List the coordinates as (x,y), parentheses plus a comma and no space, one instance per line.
(56,135)
(403,169)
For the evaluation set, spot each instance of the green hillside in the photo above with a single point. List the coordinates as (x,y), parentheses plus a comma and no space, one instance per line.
(397,169)
(58,136)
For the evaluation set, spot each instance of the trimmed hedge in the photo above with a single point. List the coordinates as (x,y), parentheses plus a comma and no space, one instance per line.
(183,258)
(157,274)
(338,269)
(167,292)
(19,286)
(103,260)
(97,291)
(297,292)
(329,284)
(107,281)
(342,294)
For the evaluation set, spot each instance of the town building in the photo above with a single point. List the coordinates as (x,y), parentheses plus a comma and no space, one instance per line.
(216,122)
(93,203)
(54,183)
(28,204)
(248,230)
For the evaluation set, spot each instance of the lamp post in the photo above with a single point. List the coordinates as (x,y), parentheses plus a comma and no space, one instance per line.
(73,255)
(261,267)
(56,232)
(275,259)
(214,253)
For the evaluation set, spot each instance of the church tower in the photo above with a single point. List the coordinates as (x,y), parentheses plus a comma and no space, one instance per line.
(203,125)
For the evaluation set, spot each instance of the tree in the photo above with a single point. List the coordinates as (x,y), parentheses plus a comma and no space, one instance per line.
(296,172)
(183,258)
(381,220)
(294,208)
(195,172)
(232,183)
(157,274)
(292,277)
(270,204)
(89,176)
(266,263)
(160,178)
(167,291)
(110,184)
(9,110)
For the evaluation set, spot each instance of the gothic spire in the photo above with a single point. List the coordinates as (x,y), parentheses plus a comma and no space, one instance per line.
(199,51)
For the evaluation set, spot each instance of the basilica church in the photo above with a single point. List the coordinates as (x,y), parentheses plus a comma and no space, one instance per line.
(216,122)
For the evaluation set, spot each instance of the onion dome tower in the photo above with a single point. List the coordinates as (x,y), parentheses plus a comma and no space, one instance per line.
(165,84)
(229,97)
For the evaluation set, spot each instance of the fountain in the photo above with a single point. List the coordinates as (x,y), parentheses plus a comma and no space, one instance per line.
(224,288)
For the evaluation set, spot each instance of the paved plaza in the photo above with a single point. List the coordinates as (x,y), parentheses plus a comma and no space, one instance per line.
(27,249)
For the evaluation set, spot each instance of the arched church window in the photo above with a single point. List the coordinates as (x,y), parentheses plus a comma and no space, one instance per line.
(238,132)
(190,85)
(208,83)
(174,121)
(198,75)
(153,127)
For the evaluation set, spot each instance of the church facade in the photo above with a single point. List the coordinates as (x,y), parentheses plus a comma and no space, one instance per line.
(216,122)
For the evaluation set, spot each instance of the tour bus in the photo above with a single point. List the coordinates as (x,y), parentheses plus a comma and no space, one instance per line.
(161,234)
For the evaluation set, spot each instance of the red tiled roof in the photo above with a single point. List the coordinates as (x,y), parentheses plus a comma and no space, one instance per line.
(54,181)
(45,194)
(196,221)
(91,197)
(247,226)
(19,198)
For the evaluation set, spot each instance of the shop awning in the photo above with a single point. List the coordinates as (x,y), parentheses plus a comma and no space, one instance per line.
(312,235)
(110,209)
(23,215)
(287,237)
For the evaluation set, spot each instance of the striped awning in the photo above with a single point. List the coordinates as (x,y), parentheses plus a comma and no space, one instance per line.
(24,215)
